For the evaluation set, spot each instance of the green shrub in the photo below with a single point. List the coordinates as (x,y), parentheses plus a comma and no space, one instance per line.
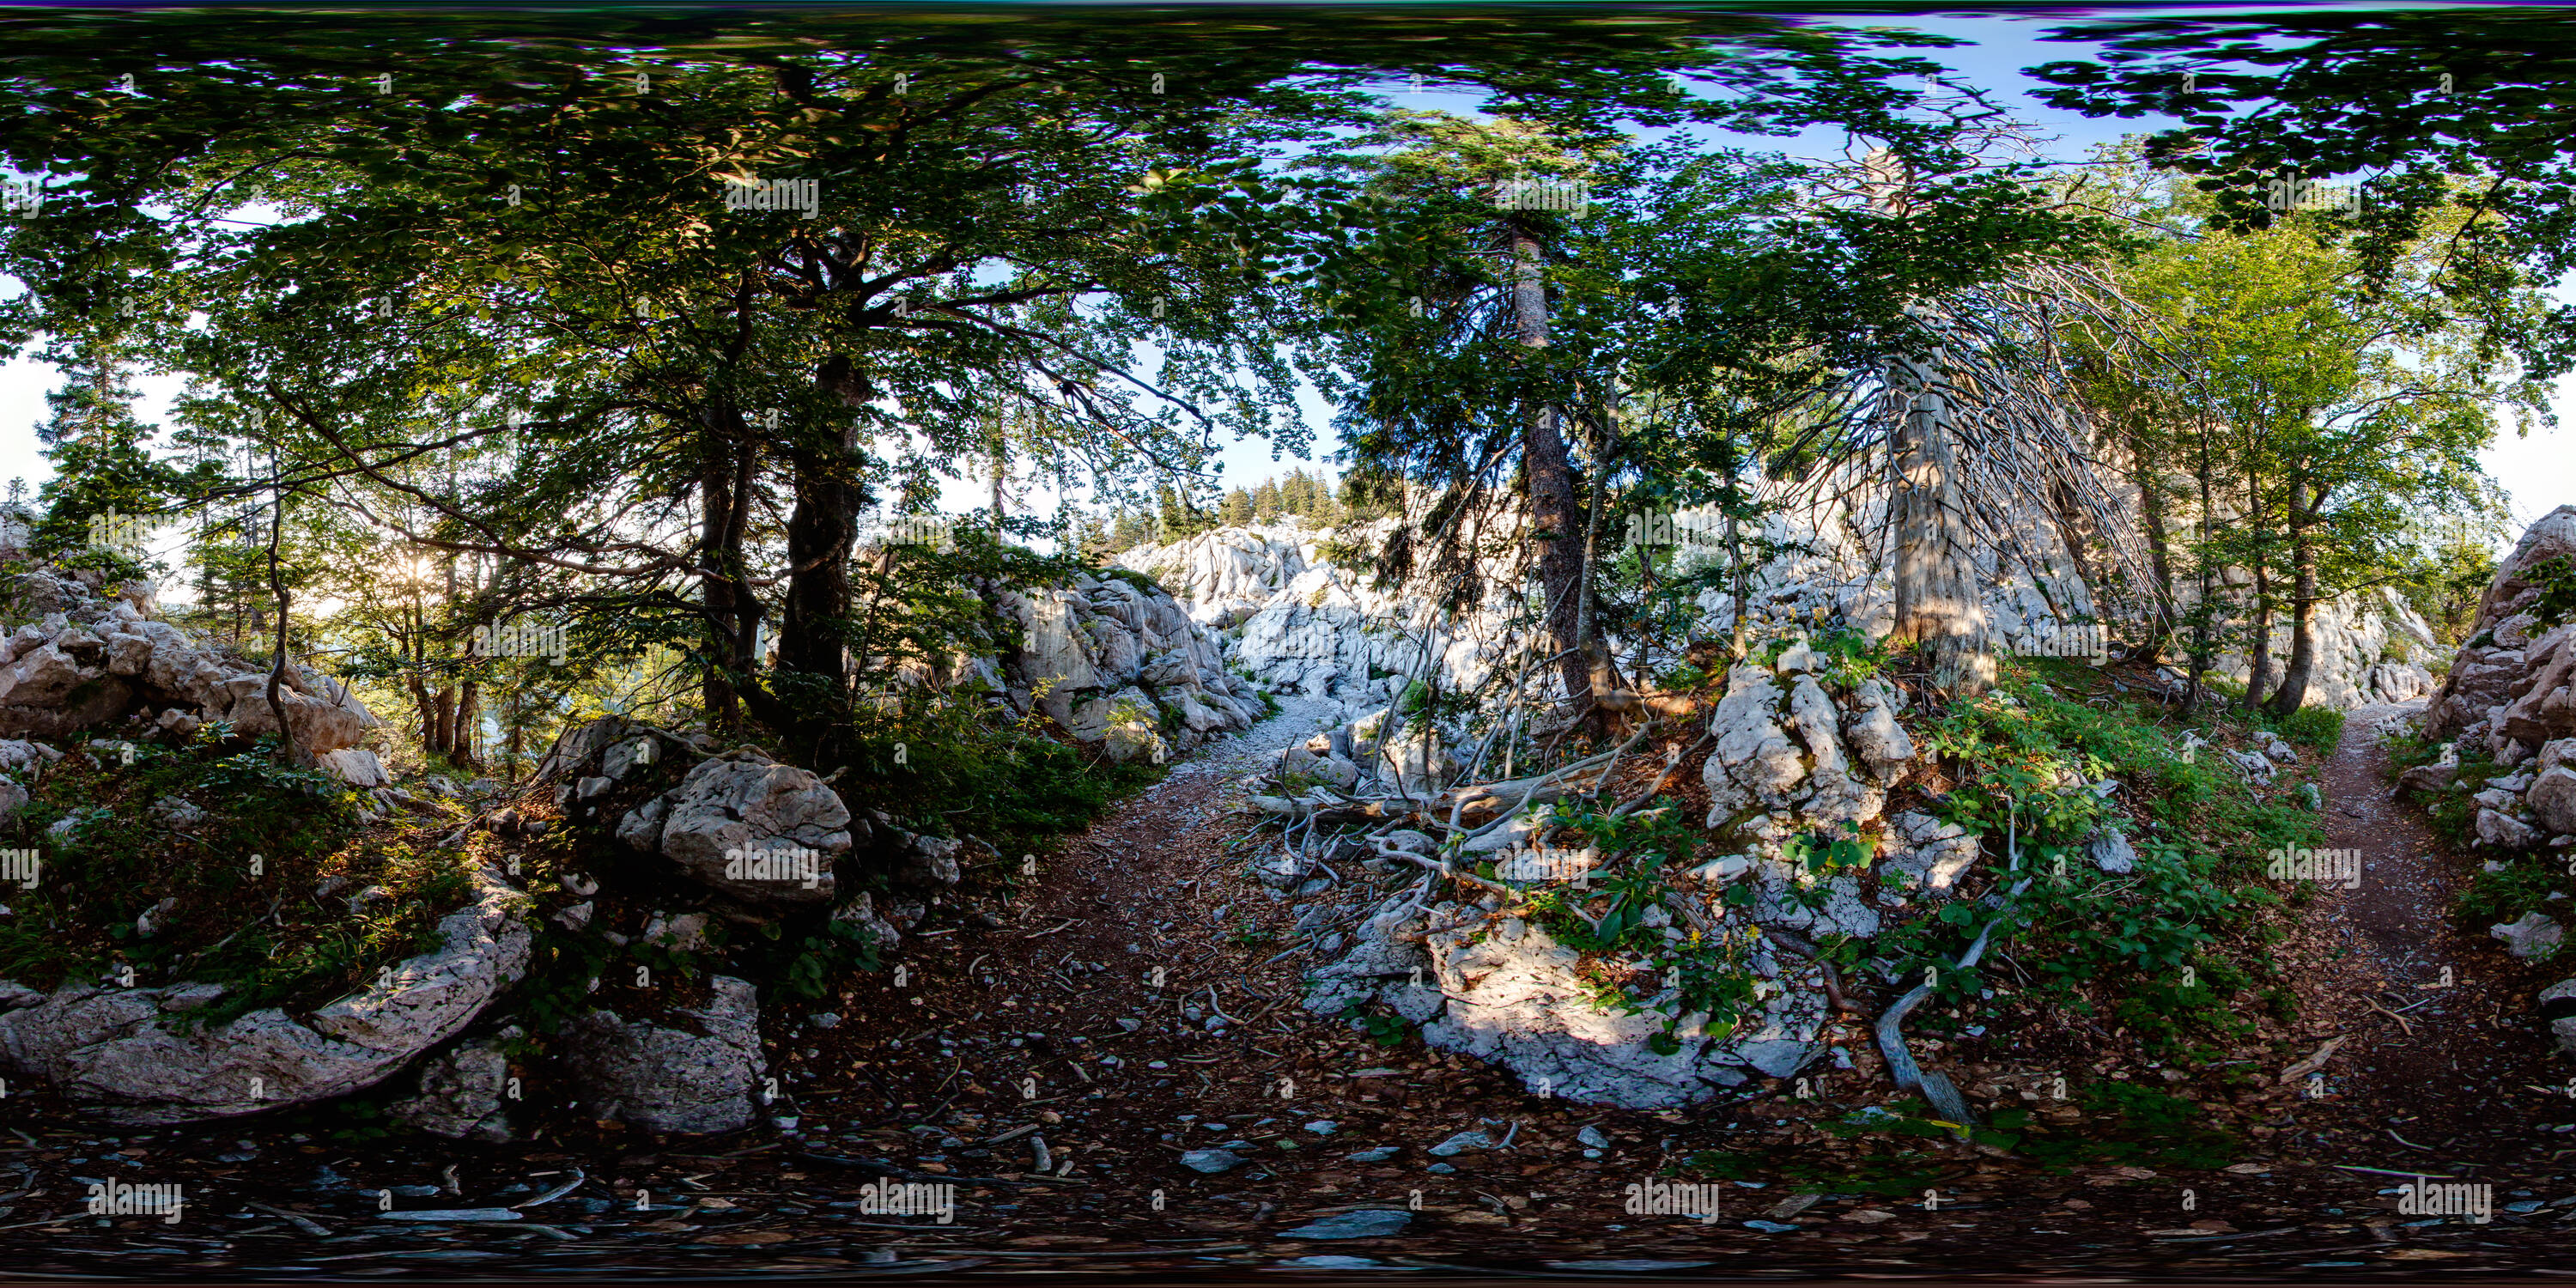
(2521,886)
(2320,728)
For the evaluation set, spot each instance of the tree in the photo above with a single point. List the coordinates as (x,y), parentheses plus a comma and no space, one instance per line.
(2320,412)
(568,247)
(1237,511)
(2452,116)
(103,465)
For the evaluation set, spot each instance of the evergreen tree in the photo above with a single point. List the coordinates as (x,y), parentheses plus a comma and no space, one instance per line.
(1129,531)
(1265,501)
(103,464)
(1238,509)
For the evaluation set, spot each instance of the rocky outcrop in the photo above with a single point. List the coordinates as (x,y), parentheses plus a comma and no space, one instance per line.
(1792,754)
(133,1055)
(1122,666)
(668,1079)
(2509,684)
(1224,577)
(92,658)
(1296,621)
(1503,990)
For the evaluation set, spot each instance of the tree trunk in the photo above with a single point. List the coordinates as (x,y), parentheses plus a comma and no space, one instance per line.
(722,585)
(2303,605)
(469,710)
(2204,611)
(2151,497)
(1554,519)
(1937,599)
(295,753)
(819,533)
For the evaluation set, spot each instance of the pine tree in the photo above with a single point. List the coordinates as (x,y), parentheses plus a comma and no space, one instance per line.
(103,464)
(1128,532)
(1265,501)
(1238,509)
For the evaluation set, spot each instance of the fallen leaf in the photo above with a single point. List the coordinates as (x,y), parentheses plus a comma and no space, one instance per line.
(1872,1216)
(2422,1254)
(738,1238)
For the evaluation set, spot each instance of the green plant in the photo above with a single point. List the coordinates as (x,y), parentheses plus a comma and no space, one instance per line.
(2556,577)
(2520,886)
(1382,1028)
(842,949)
(2320,728)
(2124,1123)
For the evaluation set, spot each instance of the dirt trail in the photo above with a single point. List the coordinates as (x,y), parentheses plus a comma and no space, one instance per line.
(2441,1050)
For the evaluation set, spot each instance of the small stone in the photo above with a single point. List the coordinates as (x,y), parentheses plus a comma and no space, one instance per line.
(1592,1136)
(1209,1162)
(1364,1223)
(1323,1127)
(1378,1155)
(1770,1227)
(826,1020)
(1130,1024)
(1461,1143)
(1440,1169)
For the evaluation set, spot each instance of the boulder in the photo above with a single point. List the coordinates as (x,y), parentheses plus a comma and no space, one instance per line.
(2505,832)
(129,1054)
(464,1092)
(355,766)
(862,912)
(2111,851)
(2502,664)
(672,1080)
(2532,937)
(762,832)
(1930,855)
(2427,778)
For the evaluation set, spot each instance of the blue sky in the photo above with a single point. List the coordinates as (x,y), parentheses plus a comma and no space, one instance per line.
(2539,472)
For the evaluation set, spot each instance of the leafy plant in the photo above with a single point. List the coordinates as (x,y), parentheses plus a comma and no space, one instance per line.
(2556,577)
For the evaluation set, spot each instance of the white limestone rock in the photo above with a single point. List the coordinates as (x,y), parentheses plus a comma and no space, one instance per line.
(672,1080)
(113,1052)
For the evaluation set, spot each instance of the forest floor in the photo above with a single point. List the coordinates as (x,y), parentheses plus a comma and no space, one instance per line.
(1052,1026)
